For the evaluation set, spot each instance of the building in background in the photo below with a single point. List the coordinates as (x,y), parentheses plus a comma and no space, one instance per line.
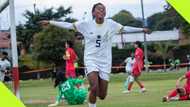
(5,42)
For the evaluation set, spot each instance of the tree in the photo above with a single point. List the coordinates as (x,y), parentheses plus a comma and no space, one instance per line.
(26,32)
(126,18)
(168,20)
(49,45)
(162,49)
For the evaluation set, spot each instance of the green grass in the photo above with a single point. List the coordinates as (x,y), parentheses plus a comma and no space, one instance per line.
(158,85)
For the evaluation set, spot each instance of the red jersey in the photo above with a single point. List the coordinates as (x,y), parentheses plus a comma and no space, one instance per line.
(139,62)
(187,85)
(71,60)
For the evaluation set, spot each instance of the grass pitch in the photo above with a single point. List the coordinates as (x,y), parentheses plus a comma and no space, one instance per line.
(40,93)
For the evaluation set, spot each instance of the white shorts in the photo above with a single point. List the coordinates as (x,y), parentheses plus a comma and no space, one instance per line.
(103,75)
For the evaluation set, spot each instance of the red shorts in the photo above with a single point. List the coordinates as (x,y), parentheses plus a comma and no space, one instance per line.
(187,89)
(136,72)
(185,97)
(70,74)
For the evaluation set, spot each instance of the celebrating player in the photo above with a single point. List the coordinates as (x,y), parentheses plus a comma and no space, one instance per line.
(98,35)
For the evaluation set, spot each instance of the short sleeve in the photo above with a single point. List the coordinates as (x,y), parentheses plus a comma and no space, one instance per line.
(116,27)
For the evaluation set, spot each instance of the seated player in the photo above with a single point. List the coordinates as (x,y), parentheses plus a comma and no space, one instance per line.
(180,93)
(72,90)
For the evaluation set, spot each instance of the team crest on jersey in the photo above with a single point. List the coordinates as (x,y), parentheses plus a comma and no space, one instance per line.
(98,36)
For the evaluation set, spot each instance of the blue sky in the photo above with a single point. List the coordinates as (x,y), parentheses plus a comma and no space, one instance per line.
(82,6)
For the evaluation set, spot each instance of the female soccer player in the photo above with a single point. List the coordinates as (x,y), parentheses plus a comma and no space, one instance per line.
(128,68)
(180,93)
(98,35)
(137,66)
(71,89)
(70,57)
(4,65)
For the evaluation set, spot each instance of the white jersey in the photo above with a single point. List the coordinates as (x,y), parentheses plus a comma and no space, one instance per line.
(129,64)
(98,43)
(4,64)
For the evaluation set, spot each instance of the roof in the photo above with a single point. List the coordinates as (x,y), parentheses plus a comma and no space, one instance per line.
(154,36)
(4,40)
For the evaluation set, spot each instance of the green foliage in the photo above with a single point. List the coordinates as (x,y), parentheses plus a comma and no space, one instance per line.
(119,55)
(27,62)
(26,32)
(163,21)
(126,18)
(165,24)
(49,45)
(168,20)
(162,49)
(152,20)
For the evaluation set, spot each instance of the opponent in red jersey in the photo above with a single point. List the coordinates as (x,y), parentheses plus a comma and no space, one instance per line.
(70,57)
(180,93)
(137,66)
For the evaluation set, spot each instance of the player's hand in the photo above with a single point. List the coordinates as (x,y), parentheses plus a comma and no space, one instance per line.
(64,57)
(146,30)
(53,105)
(44,22)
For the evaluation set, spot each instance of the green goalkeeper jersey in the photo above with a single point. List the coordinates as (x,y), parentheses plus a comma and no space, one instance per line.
(73,91)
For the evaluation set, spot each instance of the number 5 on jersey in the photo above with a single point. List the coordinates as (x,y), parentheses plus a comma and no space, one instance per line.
(98,41)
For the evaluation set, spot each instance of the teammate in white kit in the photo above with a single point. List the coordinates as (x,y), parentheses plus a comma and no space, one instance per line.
(4,65)
(129,61)
(98,35)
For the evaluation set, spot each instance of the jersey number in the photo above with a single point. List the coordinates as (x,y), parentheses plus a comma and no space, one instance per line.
(98,41)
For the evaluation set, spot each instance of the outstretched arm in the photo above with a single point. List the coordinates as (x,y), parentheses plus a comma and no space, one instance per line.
(62,24)
(179,80)
(129,29)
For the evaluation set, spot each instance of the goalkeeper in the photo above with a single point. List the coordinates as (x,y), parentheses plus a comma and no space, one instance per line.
(72,90)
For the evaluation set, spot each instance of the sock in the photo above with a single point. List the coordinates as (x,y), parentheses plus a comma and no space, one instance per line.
(130,86)
(126,84)
(91,105)
(141,85)
(173,93)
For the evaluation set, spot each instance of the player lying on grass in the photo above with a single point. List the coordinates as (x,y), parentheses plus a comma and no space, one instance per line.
(72,90)
(180,93)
